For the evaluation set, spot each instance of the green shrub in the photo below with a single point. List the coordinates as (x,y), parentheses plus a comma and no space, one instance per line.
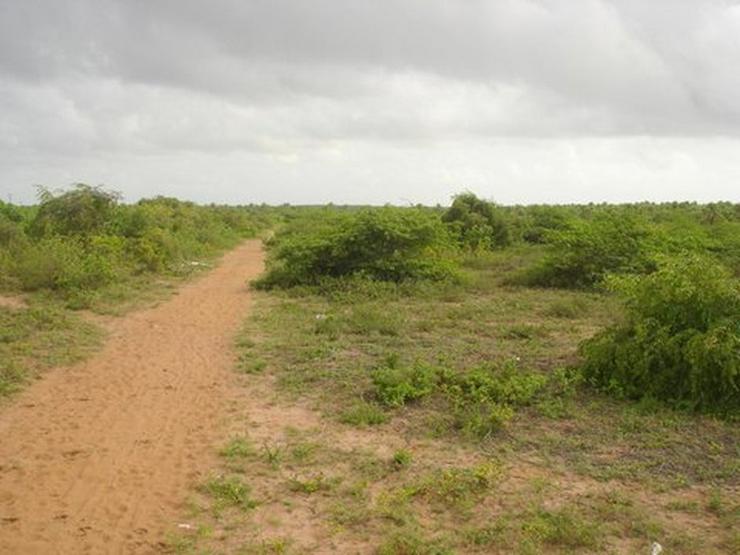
(460,487)
(484,399)
(230,491)
(480,401)
(481,419)
(83,210)
(502,384)
(57,263)
(542,221)
(402,459)
(476,223)
(386,244)
(582,255)
(396,386)
(680,341)
(11,229)
(82,239)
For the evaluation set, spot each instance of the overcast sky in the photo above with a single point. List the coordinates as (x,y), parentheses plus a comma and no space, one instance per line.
(372,101)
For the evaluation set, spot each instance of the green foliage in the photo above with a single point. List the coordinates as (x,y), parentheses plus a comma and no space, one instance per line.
(481,400)
(82,240)
(411,542)
(230,491)
(10,213)
(566,309)
(457,487)
(484,399)
(402,458)
(81,211)
(476,223)
(238,448)
(681,339)
(311,485)
(396,386)
(584,253)
(542,221)
(501,383)
(32,339)
(363,413)
(65,264)
(11,230)
(561,527)
(386,244)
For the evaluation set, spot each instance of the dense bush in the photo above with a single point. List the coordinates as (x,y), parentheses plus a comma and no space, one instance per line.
(83,239)
(680,341)
(386,244)
(476,223)
(81,211)
(584,253)
(543,220)
(11,225)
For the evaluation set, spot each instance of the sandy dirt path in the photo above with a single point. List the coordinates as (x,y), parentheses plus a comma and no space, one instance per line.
(99,457)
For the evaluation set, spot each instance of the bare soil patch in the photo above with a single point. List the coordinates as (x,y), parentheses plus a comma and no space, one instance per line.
(12,302)
(98,457)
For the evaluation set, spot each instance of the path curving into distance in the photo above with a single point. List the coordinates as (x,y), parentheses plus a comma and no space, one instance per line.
(99,457)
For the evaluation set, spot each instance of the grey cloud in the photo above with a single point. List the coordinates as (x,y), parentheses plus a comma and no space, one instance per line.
(589,54)
(290,79)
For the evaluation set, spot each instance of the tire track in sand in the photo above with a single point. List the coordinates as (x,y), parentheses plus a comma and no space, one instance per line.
(98,457)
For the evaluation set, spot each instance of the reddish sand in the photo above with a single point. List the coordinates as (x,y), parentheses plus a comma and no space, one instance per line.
(99,457)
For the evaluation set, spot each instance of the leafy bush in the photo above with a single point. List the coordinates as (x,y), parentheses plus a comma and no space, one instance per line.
(83,210)
(484,399)
(681,339)
(386,244)
(501,384)
(582,255)
(542,221)
(57,263)
(81,240)
(478,224)
(396,386)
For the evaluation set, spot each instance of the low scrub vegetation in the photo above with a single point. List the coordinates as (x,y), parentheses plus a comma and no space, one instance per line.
(680,341)
(385,244)
(77,242)
(583,253)
(490,377)
(84,248)
(489,412)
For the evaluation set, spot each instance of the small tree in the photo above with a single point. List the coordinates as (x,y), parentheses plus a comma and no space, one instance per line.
(477,223)
(81,211)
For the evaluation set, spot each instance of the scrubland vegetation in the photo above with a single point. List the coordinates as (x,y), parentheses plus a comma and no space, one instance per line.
(492,379)
(483,378)
(84,249)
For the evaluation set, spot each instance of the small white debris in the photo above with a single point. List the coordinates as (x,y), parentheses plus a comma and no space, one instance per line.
(185,526)
(321,316)
(657,549)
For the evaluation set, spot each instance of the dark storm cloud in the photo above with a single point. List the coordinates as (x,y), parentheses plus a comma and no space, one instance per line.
(633,66)
(85,78)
